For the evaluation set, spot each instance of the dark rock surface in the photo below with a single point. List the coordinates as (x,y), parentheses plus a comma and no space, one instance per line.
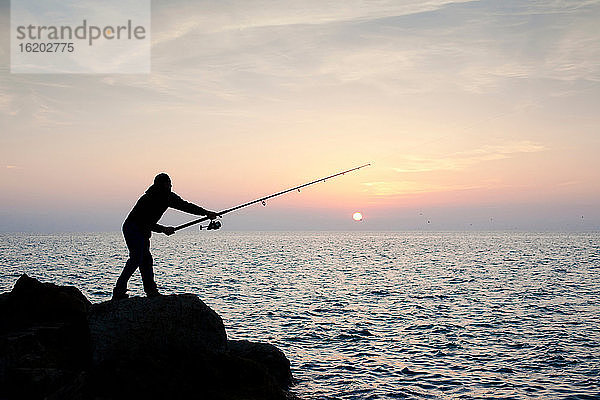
(44,339)
(33,303)
(154,326)
(55,344)
(267,355)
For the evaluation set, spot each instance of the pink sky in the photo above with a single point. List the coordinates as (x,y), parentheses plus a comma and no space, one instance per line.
(466,113)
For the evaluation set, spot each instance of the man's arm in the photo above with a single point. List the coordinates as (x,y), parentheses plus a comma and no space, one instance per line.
(158,228)
(178,203)
(167,230)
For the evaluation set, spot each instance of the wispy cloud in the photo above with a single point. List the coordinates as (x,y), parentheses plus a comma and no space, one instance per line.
(407,187)
(465,159)
(181,19)
(395,48)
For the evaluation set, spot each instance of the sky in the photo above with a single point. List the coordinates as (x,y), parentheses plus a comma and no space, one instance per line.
(475,115)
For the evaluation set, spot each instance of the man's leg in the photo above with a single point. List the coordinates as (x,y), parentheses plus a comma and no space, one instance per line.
(130,267)
(148,273)
(135,243)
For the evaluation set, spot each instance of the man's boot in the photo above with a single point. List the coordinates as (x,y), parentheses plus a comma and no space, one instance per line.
(153,293)
(119,295)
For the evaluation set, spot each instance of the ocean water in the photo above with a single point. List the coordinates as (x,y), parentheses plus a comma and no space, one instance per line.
(373,315)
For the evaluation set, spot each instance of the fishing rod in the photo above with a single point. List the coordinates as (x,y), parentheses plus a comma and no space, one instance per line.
(216,224)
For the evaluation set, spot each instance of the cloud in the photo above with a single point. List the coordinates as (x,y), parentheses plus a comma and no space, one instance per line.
(181,19)
(224,54)
(268,49)
(232,57)
(464,159)
(407,187)
(261,49)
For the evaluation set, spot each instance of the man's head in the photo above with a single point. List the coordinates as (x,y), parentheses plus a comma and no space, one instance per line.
(162,181)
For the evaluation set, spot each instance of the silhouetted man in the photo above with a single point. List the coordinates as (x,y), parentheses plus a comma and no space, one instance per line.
(138,227)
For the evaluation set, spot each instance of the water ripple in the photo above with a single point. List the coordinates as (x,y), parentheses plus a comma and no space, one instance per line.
(374,315)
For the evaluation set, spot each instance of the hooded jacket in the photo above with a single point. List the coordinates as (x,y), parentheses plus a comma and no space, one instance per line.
(153,204)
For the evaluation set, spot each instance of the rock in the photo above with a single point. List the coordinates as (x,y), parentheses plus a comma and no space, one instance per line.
(166,324)
(44,338)
(32,303)
(55,345)
(266,355)
(218,376)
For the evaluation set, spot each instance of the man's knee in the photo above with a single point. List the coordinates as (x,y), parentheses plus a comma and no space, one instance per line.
(148,259)
(136,257)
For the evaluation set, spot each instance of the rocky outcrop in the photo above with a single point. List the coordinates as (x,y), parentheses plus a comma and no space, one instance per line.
(33,303)
(154,326)
(55,344)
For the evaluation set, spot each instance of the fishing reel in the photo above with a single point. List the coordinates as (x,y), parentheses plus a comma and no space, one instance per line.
(213,225)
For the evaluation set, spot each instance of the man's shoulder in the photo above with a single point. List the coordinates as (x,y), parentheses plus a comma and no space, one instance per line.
(174,197)
(152,197)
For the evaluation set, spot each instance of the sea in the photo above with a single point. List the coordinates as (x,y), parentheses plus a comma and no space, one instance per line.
(373,315)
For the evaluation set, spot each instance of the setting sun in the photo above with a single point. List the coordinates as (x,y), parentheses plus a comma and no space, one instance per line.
(357,216)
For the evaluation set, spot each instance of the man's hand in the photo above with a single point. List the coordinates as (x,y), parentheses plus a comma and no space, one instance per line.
(169,230)
(211,214)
